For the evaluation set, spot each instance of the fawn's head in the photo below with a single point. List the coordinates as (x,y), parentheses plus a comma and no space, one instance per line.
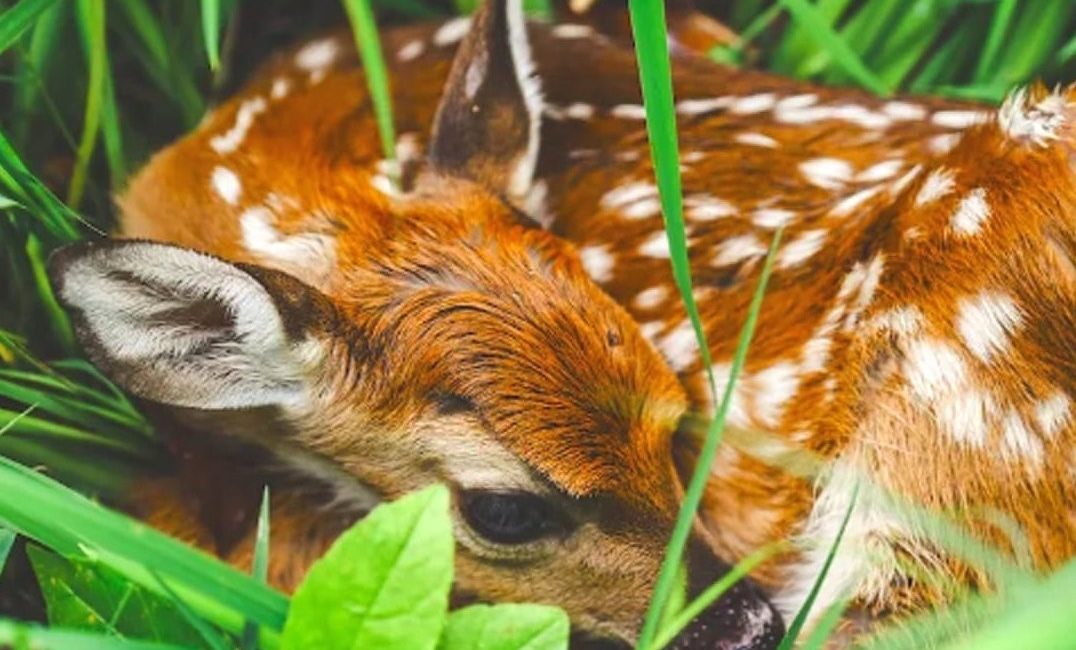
(451,342)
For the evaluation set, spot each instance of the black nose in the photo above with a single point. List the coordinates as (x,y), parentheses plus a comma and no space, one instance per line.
(741,619)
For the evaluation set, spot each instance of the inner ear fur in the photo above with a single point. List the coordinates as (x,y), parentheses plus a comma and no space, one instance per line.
(183,328)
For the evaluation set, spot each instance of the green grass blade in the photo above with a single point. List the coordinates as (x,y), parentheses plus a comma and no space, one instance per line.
(835,46)
(825,626)
(260,566)
(796,626)
(17,636)
(1003,16)
(57,318)
(65,521)
(211,31)
(91,18)
(16,20)
(7,540)
(364,28)
(684,616)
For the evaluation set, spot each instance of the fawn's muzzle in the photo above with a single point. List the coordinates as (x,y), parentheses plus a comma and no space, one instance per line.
(741,619)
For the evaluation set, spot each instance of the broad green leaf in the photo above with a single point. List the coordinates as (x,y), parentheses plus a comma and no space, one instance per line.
(80,594)
(383,584)
(506,627)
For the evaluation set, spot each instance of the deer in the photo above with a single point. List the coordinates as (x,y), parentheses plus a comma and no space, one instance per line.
(494,310)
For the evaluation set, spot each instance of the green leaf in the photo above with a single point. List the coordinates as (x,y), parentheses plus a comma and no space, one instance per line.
(383,584)
(79,594)
(16,20)
(260,565)
(506,627)
(834,45)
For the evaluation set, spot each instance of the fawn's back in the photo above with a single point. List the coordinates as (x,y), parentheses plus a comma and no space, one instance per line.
(919,330)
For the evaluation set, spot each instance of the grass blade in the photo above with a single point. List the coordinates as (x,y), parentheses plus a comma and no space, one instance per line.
(713,592)
(20,635)
(796,626)
(91,17)
(364,28)
(260,566)
(834,45)
(7,540)
(17,19)
(211,32)
(69,523)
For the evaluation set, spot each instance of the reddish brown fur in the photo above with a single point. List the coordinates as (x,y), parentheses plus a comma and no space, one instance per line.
(319,143)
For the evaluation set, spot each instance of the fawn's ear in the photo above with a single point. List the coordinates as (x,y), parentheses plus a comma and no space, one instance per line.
(183,328)
(486,128)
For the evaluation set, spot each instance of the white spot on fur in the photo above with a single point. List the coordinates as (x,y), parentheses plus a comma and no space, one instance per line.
(771,218)
(861,116)
(901,183)
(938,183)
(986,322)
(626,195)
(904,111)
(966,415)
(933,368)
(753,104)
(958,119)
(226,184)
(737,249)
(1038,124)
(1053,413)
(1018,439)
(651,330)
(280,88)
(940,145)
(628,111)
(572,31)
(755,139)
(702,105)
(656,245)
(629,155)
(705,207)
(852,202)
(679,346)
(651,298)
(827,173)
(317,54)
(411,50)
(906,321)
(230,140)
(972,212)
(308,255)
(597,262)
(774,387)
(794,102)
(881,171)
(452,31)
(801,249)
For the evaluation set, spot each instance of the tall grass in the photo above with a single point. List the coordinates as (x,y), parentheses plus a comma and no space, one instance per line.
(92,87)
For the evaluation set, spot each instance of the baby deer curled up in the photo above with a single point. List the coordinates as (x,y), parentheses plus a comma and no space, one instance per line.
(505,321)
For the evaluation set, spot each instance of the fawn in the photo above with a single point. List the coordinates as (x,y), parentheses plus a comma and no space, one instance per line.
(505,321)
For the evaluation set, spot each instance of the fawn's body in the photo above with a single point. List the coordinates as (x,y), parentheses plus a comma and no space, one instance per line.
(919,330)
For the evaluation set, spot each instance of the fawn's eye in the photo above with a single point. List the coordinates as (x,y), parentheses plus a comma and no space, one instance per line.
(510,517)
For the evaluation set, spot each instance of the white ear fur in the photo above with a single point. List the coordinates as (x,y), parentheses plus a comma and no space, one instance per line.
(531,86)
(180,327)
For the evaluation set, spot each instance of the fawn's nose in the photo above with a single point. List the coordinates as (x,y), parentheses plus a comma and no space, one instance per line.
(741,619)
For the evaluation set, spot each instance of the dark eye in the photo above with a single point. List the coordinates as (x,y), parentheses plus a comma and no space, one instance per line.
(510,517)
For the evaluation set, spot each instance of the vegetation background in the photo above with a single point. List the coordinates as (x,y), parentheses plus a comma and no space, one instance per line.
(90,88)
